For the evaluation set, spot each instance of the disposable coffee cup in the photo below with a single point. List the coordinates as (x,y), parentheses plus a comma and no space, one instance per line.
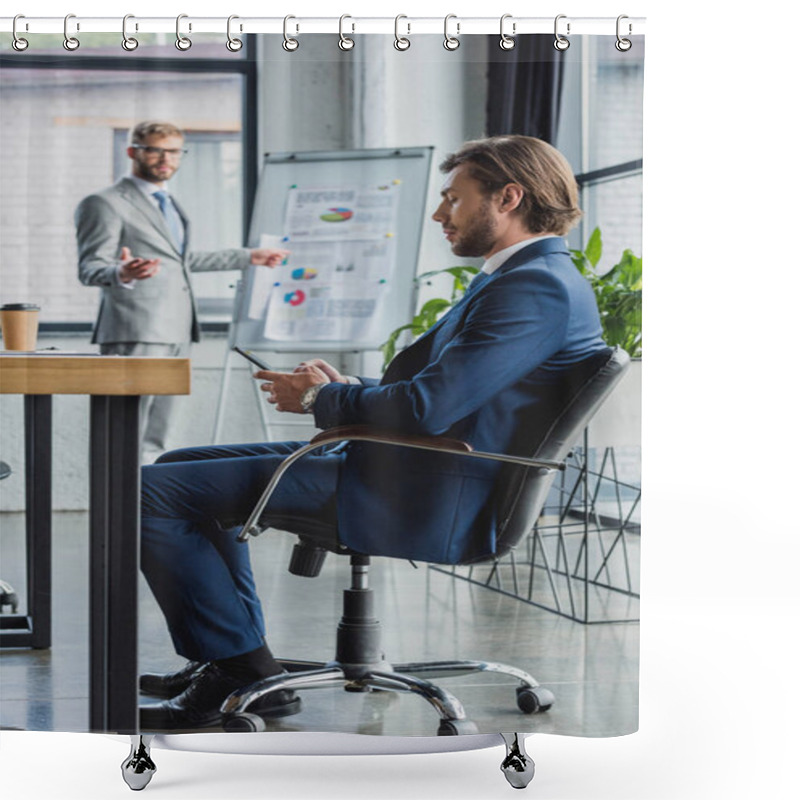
(20,323)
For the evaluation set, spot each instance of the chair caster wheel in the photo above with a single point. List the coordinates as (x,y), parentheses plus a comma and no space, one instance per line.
(244,723)
(534,700)
(457,727)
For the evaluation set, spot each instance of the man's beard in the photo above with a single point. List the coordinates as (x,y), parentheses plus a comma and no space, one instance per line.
(148,172)
(480,235)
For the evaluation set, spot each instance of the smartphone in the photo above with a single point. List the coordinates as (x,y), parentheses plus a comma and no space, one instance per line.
(253,359)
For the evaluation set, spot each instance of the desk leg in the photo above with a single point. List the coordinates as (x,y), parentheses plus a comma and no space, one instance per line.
(114,563)
(33,628)
(38,514)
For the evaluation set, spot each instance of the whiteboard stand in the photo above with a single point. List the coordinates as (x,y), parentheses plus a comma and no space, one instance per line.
(403,170)
(222,399)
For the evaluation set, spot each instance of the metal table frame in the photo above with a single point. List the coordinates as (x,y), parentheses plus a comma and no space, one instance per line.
(114,489)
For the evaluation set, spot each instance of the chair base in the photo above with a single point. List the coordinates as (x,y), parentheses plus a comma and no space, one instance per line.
(360,665)
(410,677)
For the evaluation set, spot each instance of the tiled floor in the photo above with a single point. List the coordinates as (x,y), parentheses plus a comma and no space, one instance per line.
(592,669)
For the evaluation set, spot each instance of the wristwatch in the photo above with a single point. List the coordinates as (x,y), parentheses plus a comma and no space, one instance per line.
(309,396)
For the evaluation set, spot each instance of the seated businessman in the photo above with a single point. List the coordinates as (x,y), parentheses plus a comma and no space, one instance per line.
(488,372)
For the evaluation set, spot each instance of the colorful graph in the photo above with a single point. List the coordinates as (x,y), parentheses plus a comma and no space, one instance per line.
(337,215)
(296,298)
(304,274)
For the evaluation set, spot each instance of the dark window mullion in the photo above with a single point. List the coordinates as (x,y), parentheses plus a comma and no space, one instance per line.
(609,173)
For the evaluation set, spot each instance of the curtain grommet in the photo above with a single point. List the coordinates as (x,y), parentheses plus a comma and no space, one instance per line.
(401,43)
(289,44)
(18,42)
(561,43)
(70,43)
(623,45)
(183,43)
(129,43)
(451,42)
(345,42)
(233,44)
(507,42)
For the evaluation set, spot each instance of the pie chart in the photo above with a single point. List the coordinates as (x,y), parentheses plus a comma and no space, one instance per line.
(303,274)
(295,298)
(336,215)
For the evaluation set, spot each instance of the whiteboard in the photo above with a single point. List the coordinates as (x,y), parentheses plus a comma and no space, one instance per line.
(402,173)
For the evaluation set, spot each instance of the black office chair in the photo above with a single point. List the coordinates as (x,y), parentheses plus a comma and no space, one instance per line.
(522,489)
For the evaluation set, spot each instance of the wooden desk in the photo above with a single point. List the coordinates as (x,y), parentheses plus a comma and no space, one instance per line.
(115,384)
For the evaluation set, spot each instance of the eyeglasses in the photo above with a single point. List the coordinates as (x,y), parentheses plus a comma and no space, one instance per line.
(157,152)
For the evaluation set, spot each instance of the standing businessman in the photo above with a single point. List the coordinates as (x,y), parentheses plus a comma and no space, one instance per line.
(134,242)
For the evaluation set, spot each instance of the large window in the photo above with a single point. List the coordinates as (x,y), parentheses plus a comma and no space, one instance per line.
(601,133)
(63,135)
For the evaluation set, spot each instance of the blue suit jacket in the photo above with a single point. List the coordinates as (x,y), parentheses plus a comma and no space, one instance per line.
(488,373)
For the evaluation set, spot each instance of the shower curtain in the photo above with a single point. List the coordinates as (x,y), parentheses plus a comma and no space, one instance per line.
(564,606)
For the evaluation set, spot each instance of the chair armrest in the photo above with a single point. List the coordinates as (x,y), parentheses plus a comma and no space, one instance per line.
(365,433)
(441,444)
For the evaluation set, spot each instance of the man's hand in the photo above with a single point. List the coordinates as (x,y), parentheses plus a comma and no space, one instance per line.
(137,269)
(267,257)
(286,388)
(333,375)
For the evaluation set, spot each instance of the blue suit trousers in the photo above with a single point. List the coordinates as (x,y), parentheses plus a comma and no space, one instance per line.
(194,502)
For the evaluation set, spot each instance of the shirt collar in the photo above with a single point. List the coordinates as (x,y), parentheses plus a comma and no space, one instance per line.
(147,187)
(494,262)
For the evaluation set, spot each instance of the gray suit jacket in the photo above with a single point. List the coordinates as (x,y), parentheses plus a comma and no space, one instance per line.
(158,309)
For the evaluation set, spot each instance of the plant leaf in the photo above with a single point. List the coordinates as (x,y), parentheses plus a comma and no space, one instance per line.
(594,247)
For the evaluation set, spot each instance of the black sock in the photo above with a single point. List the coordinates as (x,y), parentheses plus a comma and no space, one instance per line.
(252,666)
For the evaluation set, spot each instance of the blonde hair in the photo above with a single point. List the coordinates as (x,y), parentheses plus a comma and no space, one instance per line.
(149,128)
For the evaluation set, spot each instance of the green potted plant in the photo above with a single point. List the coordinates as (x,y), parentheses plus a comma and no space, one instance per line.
(618,292)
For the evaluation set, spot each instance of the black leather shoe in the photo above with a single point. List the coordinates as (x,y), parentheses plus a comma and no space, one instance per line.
(199,705)
(169,684)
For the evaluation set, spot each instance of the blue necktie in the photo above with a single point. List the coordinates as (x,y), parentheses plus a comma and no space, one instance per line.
(477,281)
(174,221)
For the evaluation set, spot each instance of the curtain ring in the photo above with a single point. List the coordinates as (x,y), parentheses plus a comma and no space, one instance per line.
(345,43)
(129,43)
(401,42)
(507,42)
(289,44)
(623,45)
(561,42)
(18,43)
(233,44)
(451,42)
(70,42)
(183,43)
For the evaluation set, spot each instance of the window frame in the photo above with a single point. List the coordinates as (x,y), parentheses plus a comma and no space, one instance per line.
(585,56)
(246,67)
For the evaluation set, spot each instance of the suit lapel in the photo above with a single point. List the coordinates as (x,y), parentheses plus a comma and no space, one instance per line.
(423,345)
(131,192)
